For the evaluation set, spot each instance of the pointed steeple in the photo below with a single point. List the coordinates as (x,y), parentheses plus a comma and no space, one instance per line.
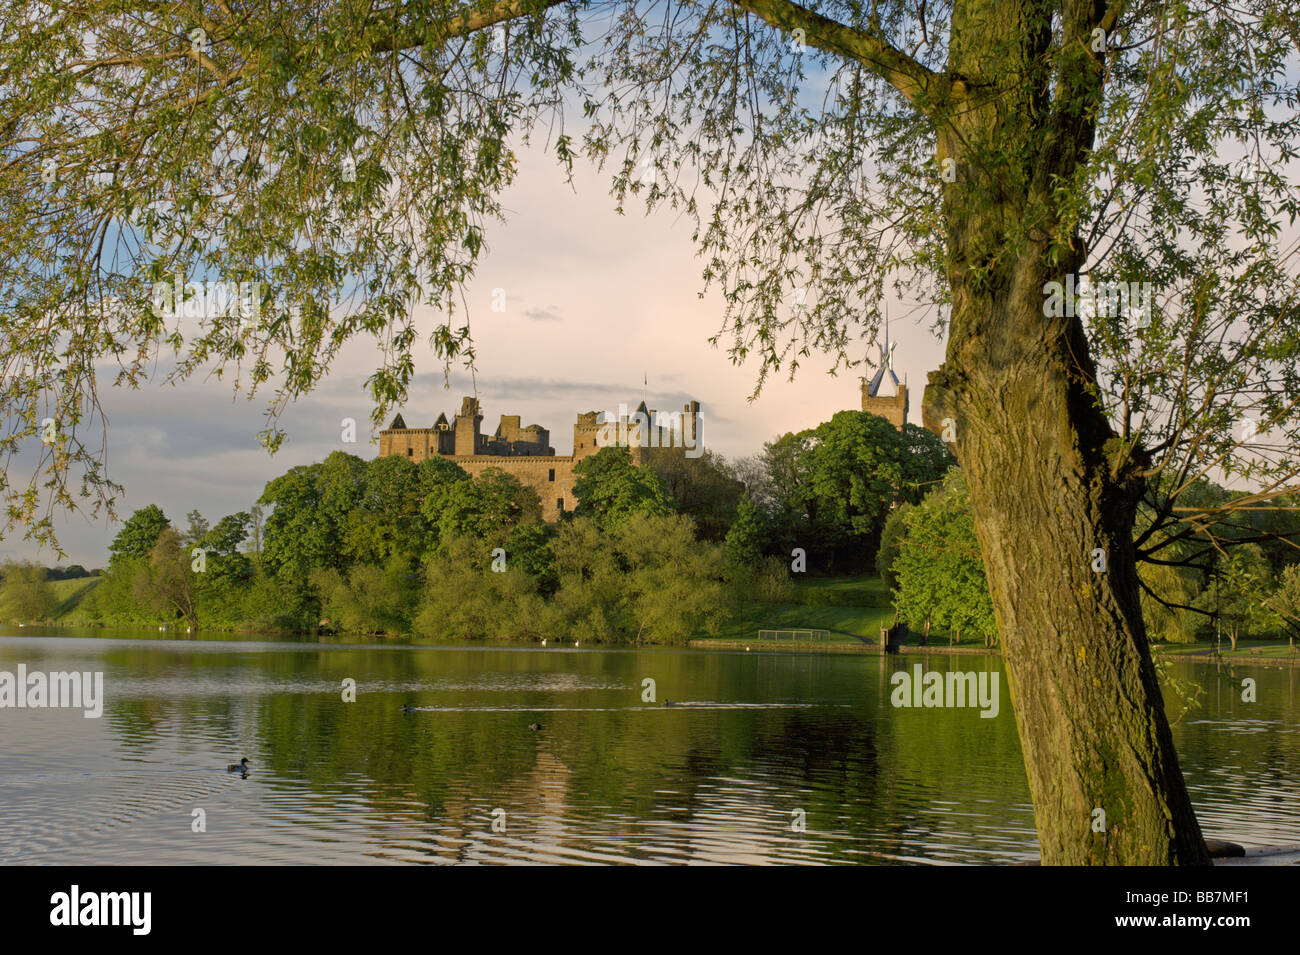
(886,363)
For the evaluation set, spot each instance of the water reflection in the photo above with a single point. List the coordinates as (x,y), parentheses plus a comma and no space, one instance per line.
(756,744)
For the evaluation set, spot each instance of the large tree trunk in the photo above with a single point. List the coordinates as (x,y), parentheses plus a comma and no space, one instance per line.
(1049,481)
(1048,491)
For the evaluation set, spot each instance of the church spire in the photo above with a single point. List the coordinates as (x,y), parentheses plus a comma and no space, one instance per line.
(886,363)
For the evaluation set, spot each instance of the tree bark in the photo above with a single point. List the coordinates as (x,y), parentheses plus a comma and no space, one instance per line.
(1050,483)
(1038,455)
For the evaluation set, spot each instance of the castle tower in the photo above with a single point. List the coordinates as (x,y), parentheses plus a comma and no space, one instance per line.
(467,427)
(691,424)
(585,432)
(893,408)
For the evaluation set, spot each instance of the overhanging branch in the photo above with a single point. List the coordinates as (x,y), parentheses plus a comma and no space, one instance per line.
(915,81)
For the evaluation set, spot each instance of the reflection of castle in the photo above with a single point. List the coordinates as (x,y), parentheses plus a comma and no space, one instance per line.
(893,408)
(526,452)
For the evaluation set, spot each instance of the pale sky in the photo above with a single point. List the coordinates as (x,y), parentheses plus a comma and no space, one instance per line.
(594,302)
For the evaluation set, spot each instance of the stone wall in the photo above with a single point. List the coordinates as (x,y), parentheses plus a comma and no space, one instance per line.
(550,477)
(414,443)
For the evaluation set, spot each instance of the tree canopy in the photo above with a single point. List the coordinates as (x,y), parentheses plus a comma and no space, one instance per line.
(138,535)
(828,489)
(610,488)
(938,568)
(1088,198)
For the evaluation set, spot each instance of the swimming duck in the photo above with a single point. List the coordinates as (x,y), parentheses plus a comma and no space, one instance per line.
(534,726)
(408,710)
(239,767)
(669,703)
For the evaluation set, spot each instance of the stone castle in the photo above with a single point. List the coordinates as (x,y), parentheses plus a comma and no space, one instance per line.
(526,452)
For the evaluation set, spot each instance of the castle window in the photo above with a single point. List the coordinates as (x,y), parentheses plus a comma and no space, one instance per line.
(410,452)
(559,504)
(551,475)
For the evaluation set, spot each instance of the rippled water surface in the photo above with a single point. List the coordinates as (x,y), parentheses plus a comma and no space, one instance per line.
(754,745)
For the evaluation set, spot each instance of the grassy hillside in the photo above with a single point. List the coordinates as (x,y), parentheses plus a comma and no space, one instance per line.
(848,607)
(69,608)
(72,595)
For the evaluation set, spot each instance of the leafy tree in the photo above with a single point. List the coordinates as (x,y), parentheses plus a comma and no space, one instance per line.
(1238,593)
(939,569)
(530,547)
(647,579)
(138,535)
(227,568)
(610,488)
(854,471)
(890,541)
(25,593)
(488,507)
(113,600)
(1168,595)
(438,481)
(841,478)
(786,461)
(228,535)
(591,598)
(772,583)
(369,598)
(387,520)
(166,582)
(1285,601)
(673,588)
(748,535)
(311,504)
(198,527)
(464,598)
(925,461)
(704,489)
(970,153)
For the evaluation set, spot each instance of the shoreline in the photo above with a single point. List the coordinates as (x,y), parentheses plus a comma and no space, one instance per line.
(1250,656)
(1245,657)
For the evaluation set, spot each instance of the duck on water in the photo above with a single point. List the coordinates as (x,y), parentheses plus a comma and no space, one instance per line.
(239,767)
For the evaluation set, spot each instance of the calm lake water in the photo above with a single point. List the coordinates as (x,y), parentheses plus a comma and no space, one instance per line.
(757,743)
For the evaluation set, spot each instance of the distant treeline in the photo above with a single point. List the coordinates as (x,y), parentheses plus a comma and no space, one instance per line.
(75,572)
(653,554)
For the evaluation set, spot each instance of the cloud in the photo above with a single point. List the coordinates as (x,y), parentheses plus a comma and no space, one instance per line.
(542,314)
(623,306)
